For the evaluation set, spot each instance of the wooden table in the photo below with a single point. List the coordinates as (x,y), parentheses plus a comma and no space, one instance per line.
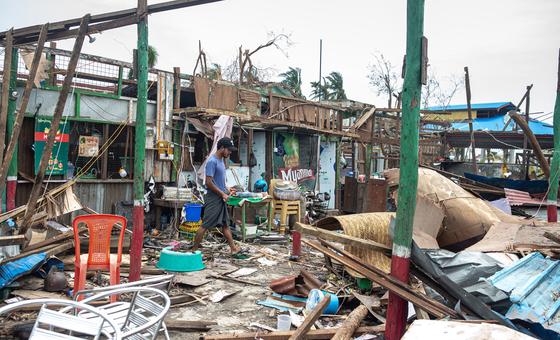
(243,206)
(174,204)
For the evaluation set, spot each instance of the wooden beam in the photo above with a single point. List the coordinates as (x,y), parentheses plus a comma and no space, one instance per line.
(340,238)
(309,321)
(64,236)
(326,333)
(403,290)
(57,116)
(11,240)
(534,142)
(62,27)
(6,89)
(473,147)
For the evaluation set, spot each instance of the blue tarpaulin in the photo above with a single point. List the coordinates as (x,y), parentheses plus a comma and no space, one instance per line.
(15,269)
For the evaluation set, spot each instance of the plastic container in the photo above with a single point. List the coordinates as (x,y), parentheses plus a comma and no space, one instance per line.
(193,211)
(180,262)
(363,283)
(315,296)
(284,322)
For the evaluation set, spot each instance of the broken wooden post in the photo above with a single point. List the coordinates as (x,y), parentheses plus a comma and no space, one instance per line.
(346,330)
(525,140)
(5,89)
(533,140)
(57,116)
(552,210)
(471,131)
(11,150)
(12,105)
(302,330)
(408,182)
(140,143)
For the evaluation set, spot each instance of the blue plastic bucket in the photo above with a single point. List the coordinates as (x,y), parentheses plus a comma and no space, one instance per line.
(315,296)
(193,212)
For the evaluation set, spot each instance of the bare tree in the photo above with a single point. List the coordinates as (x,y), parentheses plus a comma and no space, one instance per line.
(247,69)
(384,78)
(440,93)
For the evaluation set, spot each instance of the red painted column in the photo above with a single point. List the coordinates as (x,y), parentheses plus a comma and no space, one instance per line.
(137,241)
(552,212)
(398,307)
(296,243)
(11,186)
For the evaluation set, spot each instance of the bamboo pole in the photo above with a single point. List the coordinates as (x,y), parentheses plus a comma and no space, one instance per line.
(402,240)
(57,116)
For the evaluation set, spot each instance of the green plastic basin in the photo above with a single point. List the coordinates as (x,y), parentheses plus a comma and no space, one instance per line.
(175,261)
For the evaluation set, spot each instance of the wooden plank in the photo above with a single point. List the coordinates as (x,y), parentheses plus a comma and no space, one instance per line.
(187,325)
(340,238)
(433,307)
(12,240)
(312,334)
(57,116)
(60,27)
(56,239)
(6,89)
(10,150)
(309,321)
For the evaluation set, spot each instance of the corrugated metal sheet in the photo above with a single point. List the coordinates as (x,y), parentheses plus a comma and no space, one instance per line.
(517,197)
(533,284)
(480,106)
(497,123)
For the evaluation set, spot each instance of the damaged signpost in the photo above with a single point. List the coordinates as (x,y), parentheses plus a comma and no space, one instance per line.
(400,260)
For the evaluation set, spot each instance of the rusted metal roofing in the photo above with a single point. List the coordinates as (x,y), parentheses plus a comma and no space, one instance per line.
(517,197)
(299,285)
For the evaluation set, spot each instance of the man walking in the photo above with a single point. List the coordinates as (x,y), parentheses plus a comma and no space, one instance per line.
(215,208)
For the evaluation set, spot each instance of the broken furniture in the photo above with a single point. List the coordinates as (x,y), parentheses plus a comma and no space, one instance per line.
(175,204)
(282,207)
(51,324)
(141,317)
(253,202)
(370,196)
(99,255)
(160,282)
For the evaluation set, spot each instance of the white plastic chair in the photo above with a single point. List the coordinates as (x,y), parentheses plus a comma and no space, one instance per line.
(119,309)
(52,324)
(140,318)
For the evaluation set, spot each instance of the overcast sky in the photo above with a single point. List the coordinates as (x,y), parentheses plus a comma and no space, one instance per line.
(507,44)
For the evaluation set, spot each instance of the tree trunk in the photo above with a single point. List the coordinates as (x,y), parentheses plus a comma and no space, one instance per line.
(352,323)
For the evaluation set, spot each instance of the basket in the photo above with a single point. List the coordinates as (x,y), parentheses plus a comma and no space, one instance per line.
(190,227)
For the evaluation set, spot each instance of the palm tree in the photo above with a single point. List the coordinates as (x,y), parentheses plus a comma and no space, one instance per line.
(335,86)
(152,56)
(292,79)
(319,91)
(152,60)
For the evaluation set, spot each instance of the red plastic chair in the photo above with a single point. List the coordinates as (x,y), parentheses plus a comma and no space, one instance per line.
(99,256)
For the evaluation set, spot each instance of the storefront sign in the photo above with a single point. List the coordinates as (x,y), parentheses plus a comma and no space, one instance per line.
(296,175)
(88,146)
(59,156)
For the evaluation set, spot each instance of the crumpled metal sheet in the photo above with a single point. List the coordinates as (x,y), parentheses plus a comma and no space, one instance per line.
(533,284)
(299,285)
(468,270)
